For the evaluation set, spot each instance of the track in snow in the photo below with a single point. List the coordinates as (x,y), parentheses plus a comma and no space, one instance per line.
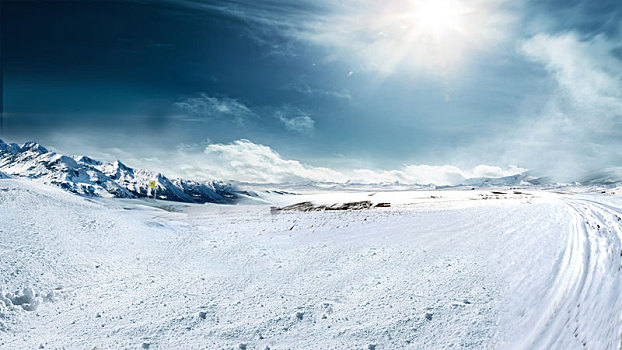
(583,306)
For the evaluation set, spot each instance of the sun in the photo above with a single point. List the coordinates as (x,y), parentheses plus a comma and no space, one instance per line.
(428,36)
(438,17)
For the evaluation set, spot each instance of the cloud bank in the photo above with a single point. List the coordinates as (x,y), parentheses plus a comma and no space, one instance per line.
(245,161)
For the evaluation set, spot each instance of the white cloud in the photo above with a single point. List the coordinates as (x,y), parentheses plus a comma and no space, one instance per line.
(302,124)
(205,107)
(578,129)
(306,89)
(243,160)
(294,119)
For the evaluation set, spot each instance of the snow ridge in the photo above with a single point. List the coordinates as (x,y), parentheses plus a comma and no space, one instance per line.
(86,176)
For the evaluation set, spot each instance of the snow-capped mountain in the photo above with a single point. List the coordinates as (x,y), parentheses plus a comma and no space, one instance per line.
(87,176)
(523,179)
(608,176)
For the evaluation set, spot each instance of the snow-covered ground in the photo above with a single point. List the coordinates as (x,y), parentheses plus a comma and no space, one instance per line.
(527,269)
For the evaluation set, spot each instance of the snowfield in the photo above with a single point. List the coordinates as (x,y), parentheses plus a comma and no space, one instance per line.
(442,269)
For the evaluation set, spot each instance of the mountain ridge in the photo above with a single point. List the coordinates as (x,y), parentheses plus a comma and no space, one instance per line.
(86,176)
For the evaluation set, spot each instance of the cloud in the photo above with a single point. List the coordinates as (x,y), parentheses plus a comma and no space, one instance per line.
(294,119)
(245,161)
(430,174)
(372,36)
(586,17)
(205,107)
(302,124)
(304,88)
(578,127)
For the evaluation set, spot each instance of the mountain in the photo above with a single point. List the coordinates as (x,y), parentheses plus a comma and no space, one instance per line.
(523,179)
(608,176)
(87,176)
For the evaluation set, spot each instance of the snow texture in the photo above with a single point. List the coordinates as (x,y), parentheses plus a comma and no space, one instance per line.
(438,269)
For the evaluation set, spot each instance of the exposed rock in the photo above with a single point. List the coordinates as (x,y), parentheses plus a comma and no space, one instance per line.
(309,206)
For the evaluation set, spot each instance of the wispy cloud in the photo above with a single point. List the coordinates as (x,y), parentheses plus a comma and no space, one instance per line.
(301,124)
(577,129)
(294,119)
(585,17)
(304,88)
(204,107)
(371,35)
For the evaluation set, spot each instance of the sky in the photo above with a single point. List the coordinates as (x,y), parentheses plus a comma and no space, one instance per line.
(416,91)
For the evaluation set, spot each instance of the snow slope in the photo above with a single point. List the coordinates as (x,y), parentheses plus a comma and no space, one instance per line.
(437,270)
(86,176)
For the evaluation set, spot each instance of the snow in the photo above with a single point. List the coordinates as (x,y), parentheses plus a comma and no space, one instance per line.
(456,268)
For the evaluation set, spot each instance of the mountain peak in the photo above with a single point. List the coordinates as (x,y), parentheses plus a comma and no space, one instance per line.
(34,146)
(121,166)
(86,176)
(87,160)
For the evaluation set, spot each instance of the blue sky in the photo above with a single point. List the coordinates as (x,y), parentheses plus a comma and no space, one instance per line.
(270,91)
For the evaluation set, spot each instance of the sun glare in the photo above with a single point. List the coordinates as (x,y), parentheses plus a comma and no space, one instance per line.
(431,36)
(438,17)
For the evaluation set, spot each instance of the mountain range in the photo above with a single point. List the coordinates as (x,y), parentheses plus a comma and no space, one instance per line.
(86,176)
